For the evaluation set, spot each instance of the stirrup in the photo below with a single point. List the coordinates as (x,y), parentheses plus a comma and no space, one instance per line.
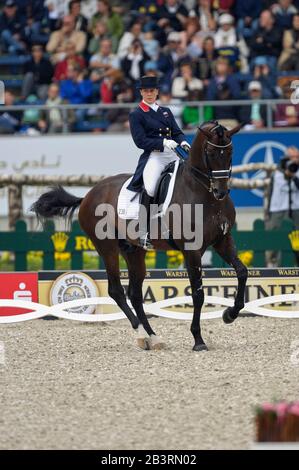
(145,242)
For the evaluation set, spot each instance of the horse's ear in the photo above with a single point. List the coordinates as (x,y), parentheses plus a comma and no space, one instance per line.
(205,132)
(234,130)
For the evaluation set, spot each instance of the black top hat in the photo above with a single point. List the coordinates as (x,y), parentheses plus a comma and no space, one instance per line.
(148,82)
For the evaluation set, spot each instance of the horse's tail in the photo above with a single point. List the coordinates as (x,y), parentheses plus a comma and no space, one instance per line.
(56,203)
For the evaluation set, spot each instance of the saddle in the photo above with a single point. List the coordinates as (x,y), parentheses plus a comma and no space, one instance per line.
(163,183)
(128,201)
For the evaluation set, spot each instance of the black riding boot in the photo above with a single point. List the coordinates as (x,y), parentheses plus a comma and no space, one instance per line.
(144,222)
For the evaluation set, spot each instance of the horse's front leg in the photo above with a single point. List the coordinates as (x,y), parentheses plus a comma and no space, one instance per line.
(193,265)
(227,250)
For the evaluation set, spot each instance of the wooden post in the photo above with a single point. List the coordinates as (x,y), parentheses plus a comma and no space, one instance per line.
(15,204)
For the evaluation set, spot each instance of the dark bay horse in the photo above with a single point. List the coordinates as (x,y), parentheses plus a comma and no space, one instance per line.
(202,179)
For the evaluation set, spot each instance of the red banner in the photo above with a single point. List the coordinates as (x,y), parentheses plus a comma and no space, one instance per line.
(18,286)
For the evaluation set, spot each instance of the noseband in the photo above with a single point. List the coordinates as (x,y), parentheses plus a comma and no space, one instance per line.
(212,175)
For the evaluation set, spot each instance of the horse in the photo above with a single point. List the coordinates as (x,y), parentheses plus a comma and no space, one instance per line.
(203,178)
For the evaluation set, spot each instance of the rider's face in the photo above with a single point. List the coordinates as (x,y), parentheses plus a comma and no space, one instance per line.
(149,95)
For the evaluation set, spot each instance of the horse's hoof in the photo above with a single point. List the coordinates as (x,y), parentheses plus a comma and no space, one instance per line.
(144,343)
(200,347)
(228,315)
(156,343)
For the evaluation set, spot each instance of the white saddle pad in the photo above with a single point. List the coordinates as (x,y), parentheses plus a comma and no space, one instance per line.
(128,209)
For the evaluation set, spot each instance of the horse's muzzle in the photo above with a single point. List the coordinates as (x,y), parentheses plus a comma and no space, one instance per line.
(220,194)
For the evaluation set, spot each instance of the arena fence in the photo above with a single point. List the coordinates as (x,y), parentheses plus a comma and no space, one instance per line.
(15,184)
(55,246)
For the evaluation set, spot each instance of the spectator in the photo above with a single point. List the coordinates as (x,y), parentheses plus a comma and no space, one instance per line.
(283,198)
(104,62)
(224,86)
(224,6)
(151,69)
(10,121)
(289,58)
(286,115)
(38,73)
(109,86)
(31,118)
(263,73)
(284,11)
(99,33)
(206,17)
(52,120)
(76,89)
(81,23)
(247,13)
(172,15)
(119,118)
(254,116)
(113,20)
(226,33)
(172,55)
(147,8)
(193,38)
(133,64)
(57,9)
(59,40)
(207,60)
(135,32)
(185,83)
(39,26)
(12,26)
(71,58)
(267,39)
(174,104)
(150,45)
(229,44)
(88,8)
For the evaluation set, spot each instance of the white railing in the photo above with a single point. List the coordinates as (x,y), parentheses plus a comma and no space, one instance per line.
(64,108)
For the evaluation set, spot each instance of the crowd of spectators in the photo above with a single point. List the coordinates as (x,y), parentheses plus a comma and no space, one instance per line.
(95,51)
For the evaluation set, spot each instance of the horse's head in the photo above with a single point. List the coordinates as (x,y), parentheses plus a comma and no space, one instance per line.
(211,156)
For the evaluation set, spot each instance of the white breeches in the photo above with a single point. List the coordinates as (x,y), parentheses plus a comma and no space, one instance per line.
(156,163)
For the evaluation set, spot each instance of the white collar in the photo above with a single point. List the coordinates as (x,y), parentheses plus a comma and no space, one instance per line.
(154,106)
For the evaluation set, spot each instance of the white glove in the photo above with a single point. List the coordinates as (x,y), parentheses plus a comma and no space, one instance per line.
(170,144)
(185,145)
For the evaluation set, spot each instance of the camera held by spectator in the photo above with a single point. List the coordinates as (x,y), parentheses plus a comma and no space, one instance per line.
(289,166)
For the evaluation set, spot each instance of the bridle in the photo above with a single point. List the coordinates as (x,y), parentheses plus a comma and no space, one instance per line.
(212,175)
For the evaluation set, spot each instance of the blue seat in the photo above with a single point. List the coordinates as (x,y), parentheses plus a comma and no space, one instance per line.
(13,83)
(14,60)
(88,126)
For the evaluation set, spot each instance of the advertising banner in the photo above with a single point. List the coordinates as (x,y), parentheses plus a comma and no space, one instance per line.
(266,147)
(83,296)
(18,286)
(56,287)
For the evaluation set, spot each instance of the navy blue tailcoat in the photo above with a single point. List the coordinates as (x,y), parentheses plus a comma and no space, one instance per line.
(148,129)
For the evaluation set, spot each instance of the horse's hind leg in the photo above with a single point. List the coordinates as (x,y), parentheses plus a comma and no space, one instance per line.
(227,250)
(115,289)
(137,272)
